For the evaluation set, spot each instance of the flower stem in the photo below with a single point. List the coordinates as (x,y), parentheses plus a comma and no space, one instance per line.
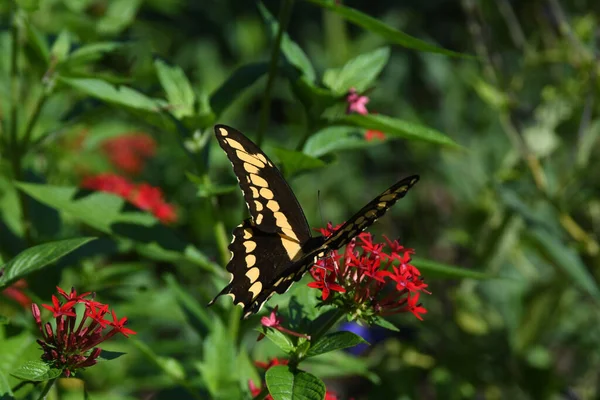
(47,388)
(263,393)
(265,109)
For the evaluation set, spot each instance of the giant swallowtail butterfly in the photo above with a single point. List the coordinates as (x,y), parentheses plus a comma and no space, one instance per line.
(274,247)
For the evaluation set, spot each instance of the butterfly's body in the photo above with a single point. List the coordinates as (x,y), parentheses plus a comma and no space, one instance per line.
(274,248)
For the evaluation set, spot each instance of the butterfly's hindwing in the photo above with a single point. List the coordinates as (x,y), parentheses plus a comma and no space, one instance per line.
(271,202)
(257,259)
(369,213)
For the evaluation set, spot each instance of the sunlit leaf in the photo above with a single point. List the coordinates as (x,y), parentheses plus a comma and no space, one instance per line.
(285,384)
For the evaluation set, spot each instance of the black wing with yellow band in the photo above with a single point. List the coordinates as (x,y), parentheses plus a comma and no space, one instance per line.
(274,248)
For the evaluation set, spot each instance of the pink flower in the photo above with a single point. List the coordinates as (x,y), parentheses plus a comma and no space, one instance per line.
(356,103)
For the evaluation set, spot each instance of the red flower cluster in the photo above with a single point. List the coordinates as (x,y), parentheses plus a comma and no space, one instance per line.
(72,347)
(358,104)
(143,196)
(129,152)
(370,281)
(255,390)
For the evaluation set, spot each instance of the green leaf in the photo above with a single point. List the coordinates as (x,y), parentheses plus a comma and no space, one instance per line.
(295,161)
(123,95)
(335,341)
(37,41)
(210,189)
(432,269)
(91,52)
(358,73)
(178,89)
(565,259)
(397,128)
(284,384)
(279,339)
(117,16)
(491,95)
(38,257)
(28,5)
(110,355)
(237,82)
(13,348)
(5,390)
(61,46)
(290,49)
(36,371)
(334,139)
(374,25)
(384,323)
(104,211)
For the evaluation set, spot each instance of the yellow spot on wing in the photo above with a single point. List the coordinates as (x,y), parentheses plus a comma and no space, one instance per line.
(388,197)
(259,219)
(223,132)
(261,157)
(266,193)
(249,159)
(253,274)
(258,205)
(281,220)
(250,168)
(250,260)
(255,289)
(381,205)
(235,144)
(249,245)
(254,192)
(247,233)
(273,205)
(291,247)
(258,181)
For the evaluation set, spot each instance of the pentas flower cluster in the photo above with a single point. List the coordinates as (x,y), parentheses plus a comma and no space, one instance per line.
(369,279)
(129,152)
(255,390)
(358,104)
(72,345)
(143,195)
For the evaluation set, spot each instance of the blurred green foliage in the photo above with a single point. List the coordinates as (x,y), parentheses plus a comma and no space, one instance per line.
(505,220)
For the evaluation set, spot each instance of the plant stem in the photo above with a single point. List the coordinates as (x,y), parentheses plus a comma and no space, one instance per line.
(263,393)
(265,109)
(47,388)
(32,120)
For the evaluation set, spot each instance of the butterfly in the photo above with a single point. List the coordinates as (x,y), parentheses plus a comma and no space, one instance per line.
(274,247)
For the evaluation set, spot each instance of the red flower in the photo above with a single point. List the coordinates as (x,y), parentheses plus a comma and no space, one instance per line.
(143,196)
(362,275)
(273,362)
(15,292)
(372,134)
(129,152)
(72,345)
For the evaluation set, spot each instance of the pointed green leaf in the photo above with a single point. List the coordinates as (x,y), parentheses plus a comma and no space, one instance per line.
(178,89)
(237,82)
(278,338)
(295,161)
(91,52)
(384,323)
(432,270)
(61,46)
(38,257)
(335,341)
(36,371)
(110,355)
(290,49)
(285,384)
(376,26)
(397,128)
(122,95)
(358,73)
(37,40)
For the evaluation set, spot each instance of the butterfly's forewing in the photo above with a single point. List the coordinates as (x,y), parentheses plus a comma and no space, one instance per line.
(257,258)
(272,204)
(369,213)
